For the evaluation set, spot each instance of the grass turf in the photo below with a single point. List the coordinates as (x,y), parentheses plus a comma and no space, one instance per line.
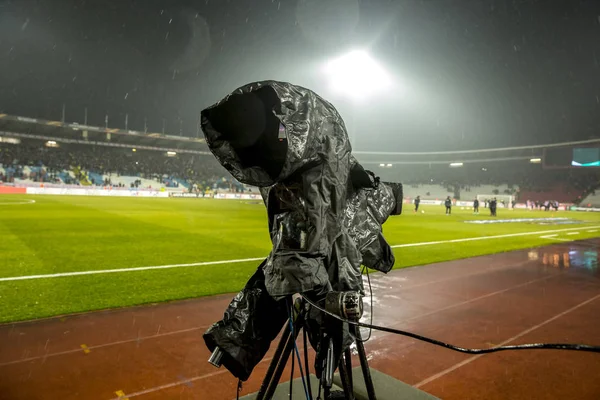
(68,234)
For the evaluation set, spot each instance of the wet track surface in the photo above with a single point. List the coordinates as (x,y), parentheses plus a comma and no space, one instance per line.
(550,294)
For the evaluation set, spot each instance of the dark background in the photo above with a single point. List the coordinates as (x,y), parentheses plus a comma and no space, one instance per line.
(469,73)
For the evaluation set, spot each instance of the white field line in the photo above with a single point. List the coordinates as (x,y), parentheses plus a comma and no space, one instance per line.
(593,230)
(573,233)
(16,203)
(488,237)
(243,260)
(553,237)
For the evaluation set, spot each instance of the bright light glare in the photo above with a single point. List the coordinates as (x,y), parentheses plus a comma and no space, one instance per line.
(456,164)
(357,75)
(535,160)
(382,165)
(171,153)
(389,165)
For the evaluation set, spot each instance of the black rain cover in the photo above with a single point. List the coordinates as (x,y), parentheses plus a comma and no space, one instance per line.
(324,210)
(251,322)
(306,194)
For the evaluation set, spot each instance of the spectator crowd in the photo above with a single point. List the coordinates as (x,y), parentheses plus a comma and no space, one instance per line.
(103,165)
(46,164)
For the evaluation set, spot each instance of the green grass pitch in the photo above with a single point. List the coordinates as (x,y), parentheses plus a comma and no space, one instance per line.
(59,234)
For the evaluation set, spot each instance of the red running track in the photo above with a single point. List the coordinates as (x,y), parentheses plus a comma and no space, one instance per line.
(550,294)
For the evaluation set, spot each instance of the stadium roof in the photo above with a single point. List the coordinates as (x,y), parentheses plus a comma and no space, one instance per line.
(73,132)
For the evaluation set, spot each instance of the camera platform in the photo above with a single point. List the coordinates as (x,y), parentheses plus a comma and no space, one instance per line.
(388,388)
(348,383)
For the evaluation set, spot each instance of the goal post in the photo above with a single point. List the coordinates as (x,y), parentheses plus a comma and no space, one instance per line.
(507,199)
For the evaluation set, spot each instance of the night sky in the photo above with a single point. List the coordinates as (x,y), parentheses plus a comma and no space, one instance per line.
(467,73)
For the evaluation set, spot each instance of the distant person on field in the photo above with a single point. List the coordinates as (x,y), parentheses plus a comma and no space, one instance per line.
(417,202)
(493,205)
(448,204)
(476,207)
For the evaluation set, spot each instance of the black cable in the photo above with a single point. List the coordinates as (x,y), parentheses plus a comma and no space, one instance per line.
(239,389)
(292,374)
(532,346)
(371,295)
(291,321)
(296,353)
(306,364)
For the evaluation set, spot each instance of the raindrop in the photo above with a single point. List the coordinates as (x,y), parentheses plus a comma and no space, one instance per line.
(171,20)
(24,26)
(278,6)
(126,95)
(167,36)
(162,12)
(74,78)
(246,19)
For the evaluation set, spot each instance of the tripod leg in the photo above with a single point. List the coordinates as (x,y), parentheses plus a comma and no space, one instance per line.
(346,380)
(307,367)
(277,358)
(364,365)
(348,359)
(278,364)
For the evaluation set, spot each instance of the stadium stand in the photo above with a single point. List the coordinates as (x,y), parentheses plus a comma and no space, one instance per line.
(32,161)
(426,191)
(591,200)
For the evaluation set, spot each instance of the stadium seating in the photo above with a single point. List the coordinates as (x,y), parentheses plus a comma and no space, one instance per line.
(95,178)
(592,199)
(427,191)
(561,192)
(32,162)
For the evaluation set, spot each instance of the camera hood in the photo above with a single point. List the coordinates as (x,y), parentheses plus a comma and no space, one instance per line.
(264,132)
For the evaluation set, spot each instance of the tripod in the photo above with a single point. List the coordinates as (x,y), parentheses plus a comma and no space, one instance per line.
(287,345)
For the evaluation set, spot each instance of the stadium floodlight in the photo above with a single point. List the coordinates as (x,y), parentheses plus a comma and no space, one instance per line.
(51,143)
(535,160)
(134,150)
(10,140)
(171,153)
(389,165)
(456,164)
(357,75)
(382,165)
